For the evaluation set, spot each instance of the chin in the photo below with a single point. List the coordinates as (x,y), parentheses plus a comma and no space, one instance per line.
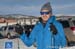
(45,20)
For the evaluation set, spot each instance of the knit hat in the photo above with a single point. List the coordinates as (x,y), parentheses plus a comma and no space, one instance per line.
(47,6)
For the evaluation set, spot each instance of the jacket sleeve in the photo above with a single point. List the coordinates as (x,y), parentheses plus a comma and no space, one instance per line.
(62,36)
(29,40)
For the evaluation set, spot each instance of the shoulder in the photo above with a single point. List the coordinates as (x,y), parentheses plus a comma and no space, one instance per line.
(37,25)
(57,23)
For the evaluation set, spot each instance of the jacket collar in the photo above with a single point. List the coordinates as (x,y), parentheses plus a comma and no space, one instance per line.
(51,19)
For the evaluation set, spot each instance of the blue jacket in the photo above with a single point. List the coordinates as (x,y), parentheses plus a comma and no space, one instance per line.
(43,36)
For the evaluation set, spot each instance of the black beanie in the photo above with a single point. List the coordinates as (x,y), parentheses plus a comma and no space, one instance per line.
(47,6)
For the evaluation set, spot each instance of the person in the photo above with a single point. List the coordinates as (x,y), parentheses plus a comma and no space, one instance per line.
(42,34)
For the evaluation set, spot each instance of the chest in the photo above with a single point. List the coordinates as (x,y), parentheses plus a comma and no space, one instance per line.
(45,32)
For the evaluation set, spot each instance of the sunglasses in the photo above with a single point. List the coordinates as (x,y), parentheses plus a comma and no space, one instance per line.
(42,13)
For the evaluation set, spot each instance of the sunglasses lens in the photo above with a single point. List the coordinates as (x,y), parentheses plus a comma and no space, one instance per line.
(44,13)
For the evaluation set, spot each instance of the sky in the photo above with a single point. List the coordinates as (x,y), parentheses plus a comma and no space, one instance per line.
(32,7)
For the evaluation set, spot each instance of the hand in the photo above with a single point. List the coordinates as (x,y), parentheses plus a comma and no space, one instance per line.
(18,29)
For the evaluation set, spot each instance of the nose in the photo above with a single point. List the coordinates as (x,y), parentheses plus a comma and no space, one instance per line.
(44,14)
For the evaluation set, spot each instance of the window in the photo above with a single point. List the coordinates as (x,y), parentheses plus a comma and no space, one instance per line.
(11,27)
(74,22)
(4,27)
(0,29)
(65,23)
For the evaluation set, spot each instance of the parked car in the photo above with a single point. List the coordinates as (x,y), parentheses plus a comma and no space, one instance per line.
(7,30)
(69,28)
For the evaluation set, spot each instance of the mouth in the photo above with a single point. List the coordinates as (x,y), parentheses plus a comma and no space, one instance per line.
(44,16)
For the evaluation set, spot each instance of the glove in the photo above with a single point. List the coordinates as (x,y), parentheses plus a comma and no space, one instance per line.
(53,29)
(18,29)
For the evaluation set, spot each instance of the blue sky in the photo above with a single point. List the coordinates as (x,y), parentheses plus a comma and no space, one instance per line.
(32,7)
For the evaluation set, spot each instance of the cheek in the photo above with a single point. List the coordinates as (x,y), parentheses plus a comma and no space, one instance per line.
(48,16)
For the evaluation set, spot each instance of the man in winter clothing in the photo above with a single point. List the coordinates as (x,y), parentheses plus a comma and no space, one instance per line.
(42,33)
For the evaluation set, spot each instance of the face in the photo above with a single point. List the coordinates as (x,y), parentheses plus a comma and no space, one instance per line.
(45,15)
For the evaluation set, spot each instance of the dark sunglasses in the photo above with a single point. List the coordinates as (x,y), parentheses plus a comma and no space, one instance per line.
(44,13)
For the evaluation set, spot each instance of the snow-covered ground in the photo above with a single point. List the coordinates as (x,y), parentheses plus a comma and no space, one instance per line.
(18,44)
(68,47)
